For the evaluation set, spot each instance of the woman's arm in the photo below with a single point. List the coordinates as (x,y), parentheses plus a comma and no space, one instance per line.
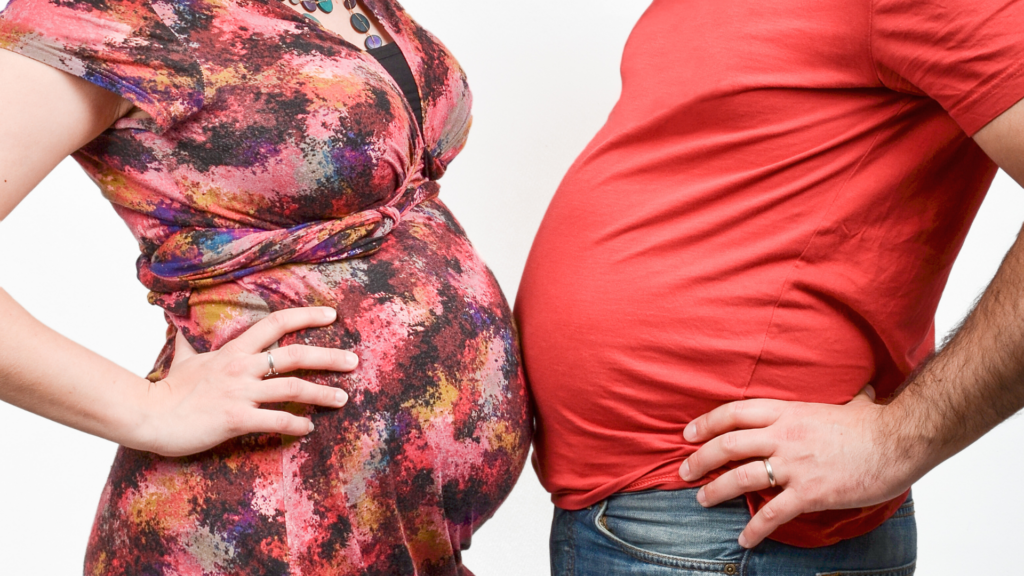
(45,115)
(206,399)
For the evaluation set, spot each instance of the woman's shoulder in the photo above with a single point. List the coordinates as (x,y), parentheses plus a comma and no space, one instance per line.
(124,46)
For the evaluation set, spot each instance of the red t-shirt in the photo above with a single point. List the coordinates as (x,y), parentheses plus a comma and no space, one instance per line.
(771,211)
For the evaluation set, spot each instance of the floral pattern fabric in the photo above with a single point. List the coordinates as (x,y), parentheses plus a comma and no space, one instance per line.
(282,167)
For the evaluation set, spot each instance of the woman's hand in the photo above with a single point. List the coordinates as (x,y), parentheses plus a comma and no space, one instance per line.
(824,457)
(209,398)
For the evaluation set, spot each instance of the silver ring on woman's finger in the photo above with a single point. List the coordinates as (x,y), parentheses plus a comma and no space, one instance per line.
(771,473)
(272,372)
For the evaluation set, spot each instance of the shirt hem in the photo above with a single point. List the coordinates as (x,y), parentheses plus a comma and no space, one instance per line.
(995,98)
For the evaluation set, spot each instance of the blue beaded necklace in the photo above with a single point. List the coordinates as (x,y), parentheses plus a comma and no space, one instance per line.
(359,21)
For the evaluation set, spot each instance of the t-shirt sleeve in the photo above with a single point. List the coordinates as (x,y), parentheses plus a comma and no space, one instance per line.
(968,55)
(121,45)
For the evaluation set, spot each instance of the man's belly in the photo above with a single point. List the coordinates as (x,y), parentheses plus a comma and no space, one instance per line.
(621,352)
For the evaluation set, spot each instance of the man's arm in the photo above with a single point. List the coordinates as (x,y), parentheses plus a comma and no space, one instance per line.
(833,457)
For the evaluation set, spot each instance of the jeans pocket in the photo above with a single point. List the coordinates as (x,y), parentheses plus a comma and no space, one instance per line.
(907,570)
(695,566)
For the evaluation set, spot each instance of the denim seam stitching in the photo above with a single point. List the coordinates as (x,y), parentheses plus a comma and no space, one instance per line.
(572,546)
(905,570)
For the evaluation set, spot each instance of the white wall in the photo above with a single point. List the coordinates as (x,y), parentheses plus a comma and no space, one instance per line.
(544,77)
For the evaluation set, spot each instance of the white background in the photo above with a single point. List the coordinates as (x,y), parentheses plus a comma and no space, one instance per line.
(544,77)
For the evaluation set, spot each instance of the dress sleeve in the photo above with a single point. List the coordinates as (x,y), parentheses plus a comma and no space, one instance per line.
(120,45)
(968,55)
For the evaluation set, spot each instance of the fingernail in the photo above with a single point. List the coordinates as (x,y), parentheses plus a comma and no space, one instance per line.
(743,541)
(351,359)
(340,397)
(700,496)
(690,432)
(330,313)
(310,425)
(684,469)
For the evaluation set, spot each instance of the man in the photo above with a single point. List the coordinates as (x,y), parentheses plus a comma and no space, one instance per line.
(761,230)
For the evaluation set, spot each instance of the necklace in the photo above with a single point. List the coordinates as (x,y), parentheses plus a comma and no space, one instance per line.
(360,23)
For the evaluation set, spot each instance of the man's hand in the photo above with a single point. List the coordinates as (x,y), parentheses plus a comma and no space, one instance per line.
(824,457)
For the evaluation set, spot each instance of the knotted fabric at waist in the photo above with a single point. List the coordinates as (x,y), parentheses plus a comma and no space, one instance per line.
(202,257)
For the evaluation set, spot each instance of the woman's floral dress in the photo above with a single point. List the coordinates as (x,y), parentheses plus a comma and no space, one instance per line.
(282,167)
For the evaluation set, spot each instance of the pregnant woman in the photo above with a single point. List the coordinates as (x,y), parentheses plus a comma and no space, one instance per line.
(277,163)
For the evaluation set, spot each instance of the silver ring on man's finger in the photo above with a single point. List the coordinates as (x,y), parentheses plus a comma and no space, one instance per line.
(273,372)
(771,473)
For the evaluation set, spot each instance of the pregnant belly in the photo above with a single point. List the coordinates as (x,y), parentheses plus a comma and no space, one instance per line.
(426,291)
(424,314)
(435,433)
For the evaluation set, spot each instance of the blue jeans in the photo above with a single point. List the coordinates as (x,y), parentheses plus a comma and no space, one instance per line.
(667,533)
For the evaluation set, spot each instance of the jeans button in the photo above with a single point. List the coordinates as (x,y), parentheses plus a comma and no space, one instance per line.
(730,569)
